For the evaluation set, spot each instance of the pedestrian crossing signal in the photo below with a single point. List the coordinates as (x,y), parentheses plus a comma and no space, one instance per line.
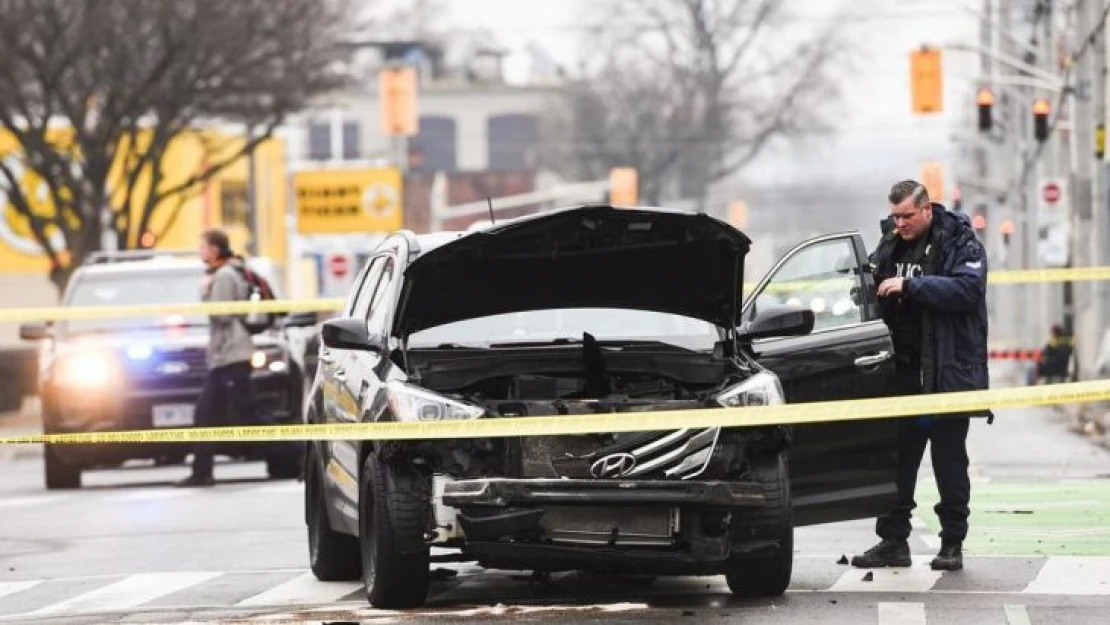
(926,81)
(1041,108)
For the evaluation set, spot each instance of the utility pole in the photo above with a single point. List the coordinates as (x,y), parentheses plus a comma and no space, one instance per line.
(1080,317)
(252,197)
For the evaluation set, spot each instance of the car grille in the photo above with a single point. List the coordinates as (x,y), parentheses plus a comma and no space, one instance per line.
(680,454)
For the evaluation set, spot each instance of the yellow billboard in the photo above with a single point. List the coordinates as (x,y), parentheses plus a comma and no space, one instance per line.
(177,221)
(347,201)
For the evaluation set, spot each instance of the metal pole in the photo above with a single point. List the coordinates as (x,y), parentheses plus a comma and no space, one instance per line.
(252,198)
(1081,181)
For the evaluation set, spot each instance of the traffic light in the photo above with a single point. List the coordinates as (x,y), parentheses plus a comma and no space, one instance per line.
(957,200)
(985,100)
(979,222)
(397,95)
(1007,228)
(624,186)
(1041,108)
(926,81)
(1100,141)
(932,176)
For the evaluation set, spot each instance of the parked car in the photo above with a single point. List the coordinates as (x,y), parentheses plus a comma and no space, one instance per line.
(102,374)
(594,310)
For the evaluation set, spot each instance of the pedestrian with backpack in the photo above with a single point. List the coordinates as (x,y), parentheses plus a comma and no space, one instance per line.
(226,396)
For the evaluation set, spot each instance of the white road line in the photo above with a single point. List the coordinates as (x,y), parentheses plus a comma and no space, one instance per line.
(302,589)
(1016,614)
(901,614)
(147,495)
(128,593)
(31,500)
(10,588)
(917,578)
(1072,575)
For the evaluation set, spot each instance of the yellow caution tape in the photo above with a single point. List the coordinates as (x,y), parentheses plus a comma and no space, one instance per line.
(158,310)
(790,414)
(57,313)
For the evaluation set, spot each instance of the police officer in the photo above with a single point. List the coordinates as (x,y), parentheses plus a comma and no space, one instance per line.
(931,272)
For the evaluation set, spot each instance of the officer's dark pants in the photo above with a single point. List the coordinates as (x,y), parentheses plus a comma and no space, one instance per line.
(225,399)
(948,436)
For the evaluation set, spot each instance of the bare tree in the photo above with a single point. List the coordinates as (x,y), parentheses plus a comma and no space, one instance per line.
(691,91)
(125,79)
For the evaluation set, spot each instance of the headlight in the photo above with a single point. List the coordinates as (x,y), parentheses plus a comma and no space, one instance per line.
(413,404)
(89,370)
(272,361)
(762,389)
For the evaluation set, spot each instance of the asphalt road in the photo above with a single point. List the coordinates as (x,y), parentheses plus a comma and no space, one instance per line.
(130,548)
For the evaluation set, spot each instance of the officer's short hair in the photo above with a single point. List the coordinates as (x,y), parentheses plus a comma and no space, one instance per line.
(907,188)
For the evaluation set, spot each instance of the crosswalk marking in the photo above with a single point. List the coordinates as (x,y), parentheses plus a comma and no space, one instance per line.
(1072,575)
(10,588)
(901,614)
(129,592)
(303,589)
(917,578)
(30,500)
(1016,615)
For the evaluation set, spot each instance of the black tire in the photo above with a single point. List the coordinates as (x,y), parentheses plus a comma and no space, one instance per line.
(393,508)
(333,556)
(766,574)
(58,474)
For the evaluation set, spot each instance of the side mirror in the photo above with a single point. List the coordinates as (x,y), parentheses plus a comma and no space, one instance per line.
(778,321)
(36,331)
(351,333)
(300,320)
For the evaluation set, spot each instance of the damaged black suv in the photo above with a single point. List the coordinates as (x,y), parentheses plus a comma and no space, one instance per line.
(594,310)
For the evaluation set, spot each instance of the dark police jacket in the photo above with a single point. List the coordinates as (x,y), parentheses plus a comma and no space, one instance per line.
(952,293)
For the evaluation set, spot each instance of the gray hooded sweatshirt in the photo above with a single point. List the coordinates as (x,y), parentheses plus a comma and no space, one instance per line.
(228,342)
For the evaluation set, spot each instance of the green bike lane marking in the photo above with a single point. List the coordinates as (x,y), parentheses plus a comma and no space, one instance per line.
(1031,518)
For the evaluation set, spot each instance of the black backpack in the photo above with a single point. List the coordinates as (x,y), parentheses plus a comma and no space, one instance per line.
(260,289)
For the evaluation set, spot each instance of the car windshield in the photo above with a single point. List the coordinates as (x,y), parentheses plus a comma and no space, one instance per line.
(543,326)
(134,289)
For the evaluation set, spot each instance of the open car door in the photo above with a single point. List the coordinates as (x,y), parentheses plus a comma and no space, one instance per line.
(843,470)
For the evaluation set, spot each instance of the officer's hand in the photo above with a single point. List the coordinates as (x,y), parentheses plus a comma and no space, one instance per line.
(891,286)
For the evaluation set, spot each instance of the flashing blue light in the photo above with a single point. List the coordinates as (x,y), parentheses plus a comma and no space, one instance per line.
(140,351)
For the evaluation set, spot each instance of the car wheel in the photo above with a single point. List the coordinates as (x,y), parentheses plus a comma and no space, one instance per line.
(393,508)
(333,556)
(766,574)
(59,475)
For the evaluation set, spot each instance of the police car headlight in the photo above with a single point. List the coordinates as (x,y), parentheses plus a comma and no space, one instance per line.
(87,370)
(414,404)
(272,361)
(762,389)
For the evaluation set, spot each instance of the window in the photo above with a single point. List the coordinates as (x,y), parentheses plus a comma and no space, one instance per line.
(513,142)
(378,301)
(605,324)
(823,277)
(434,148)
(319,141)
(359,306)
(233,203)
(351,149)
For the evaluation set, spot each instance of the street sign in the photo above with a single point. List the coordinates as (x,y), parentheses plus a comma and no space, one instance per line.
(348,201)
(1052,192)
(338,265)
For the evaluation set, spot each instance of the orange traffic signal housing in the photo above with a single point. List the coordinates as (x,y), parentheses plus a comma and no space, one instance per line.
(926,81)
(985,97)
(397,96)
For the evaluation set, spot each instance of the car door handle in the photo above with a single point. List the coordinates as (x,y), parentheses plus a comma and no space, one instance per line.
(326,357)
(340,374)
(872,359)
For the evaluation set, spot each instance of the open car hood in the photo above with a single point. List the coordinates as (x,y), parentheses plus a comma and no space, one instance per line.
(667,261)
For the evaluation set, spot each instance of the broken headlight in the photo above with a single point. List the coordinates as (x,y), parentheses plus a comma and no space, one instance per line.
(762,389)
(410,403)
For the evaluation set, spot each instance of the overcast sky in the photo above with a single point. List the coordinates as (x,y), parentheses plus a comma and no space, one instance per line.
(877,139)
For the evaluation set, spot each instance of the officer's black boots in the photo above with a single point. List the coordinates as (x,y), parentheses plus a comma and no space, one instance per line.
(887,553)
(950,558)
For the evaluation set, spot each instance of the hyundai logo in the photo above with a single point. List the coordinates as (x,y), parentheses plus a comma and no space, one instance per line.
(613,465)
(173,368)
